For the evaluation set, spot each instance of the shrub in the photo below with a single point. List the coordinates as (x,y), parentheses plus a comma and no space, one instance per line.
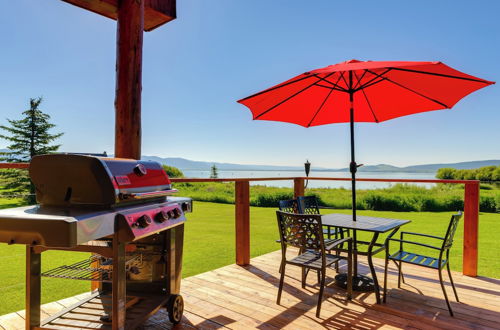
(173,172)
(270,199)
(487,204)
(446,173)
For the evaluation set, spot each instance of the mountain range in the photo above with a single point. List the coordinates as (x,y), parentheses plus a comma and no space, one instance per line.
(186,164)
(193,165)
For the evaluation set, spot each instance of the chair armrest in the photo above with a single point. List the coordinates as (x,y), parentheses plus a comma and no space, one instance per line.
(419,234)
(414,243)
(338,242)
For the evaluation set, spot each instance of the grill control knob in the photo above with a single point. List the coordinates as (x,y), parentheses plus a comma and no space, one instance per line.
(140,170)
(144,221)
(177,213)
(161,216)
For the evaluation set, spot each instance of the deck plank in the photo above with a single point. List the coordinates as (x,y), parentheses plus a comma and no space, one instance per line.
(243,297)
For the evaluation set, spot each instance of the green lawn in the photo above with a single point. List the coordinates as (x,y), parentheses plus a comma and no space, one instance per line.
(209,244)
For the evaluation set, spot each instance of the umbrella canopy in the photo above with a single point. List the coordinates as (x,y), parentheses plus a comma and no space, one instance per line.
(379,90)
(357,91)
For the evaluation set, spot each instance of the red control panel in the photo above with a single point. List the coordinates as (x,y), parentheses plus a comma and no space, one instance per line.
(147,221)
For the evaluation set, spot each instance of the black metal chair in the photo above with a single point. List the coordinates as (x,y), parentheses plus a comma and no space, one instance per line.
(404,255)
(309,205)
(289,205)
(304,231)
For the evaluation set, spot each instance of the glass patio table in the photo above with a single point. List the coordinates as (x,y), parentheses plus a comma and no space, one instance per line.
(373,225)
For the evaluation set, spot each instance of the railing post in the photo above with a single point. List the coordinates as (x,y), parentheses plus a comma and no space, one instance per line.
(298,187)
(242,219)
(471,224)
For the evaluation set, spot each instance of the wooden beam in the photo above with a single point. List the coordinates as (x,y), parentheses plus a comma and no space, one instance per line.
(156,12)
(129,79)
(471,226)
(15,165)
(298,187)
(242,219)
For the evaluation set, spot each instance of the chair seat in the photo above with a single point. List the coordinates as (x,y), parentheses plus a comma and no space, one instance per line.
(312,259)
(330,243)
(417,259)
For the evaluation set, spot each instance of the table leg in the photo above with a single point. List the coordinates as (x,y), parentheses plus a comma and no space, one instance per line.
(372,268)
(360,283)
(354,254)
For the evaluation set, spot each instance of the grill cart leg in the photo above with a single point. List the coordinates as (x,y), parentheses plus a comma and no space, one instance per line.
(175,239)
(119,285)
(33,285)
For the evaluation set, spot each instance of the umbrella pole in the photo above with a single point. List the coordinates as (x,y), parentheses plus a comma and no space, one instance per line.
(353,168)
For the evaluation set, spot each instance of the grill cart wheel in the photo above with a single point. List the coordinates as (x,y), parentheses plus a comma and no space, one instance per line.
(175,308)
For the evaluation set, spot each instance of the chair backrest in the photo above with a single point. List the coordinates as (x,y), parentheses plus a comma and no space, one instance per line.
(290,206)
(450,232)
(303,231)
(308,205)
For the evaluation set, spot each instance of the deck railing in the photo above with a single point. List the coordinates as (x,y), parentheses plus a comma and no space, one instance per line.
(242,210)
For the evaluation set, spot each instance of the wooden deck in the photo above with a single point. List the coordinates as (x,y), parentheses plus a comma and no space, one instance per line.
(245,297)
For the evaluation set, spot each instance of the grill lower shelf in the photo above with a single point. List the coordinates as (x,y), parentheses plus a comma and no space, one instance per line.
(90,313)
(89,269)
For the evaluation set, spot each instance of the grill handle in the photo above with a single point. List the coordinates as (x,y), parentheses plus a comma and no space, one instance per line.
(149,194)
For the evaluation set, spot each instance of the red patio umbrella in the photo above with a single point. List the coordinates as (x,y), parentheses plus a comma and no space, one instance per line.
(362,91)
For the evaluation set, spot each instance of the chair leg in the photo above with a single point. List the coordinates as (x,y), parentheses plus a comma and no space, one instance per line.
(444,291)
(321,289)
(385,276)
(304,277)
(337,253)
(400,266)
(451,281)
(282,280)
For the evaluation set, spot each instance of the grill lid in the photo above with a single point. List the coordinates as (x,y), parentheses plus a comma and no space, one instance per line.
(80,180)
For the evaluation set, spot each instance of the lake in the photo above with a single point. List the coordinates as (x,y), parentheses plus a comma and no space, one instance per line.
(317,183)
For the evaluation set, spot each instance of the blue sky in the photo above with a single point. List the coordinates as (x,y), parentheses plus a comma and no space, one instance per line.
(216,52)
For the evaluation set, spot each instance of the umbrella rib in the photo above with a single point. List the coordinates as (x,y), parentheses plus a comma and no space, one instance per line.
(373,81)
(288,98)
(367,100)
(361,78)
(413,91)
(343,78)
(276,87)
(444,75)
(324,101)
(335,85)
(332,88)
(320,107)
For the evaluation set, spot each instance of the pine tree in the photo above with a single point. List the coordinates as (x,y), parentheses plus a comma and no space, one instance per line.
(214,173)
(29,137)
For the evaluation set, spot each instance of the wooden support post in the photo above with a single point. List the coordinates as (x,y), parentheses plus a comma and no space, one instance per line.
(471,225)
(298,187)
(242,217)
(33,287)
(129,79)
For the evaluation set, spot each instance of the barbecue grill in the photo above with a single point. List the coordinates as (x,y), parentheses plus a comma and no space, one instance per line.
(120,210)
